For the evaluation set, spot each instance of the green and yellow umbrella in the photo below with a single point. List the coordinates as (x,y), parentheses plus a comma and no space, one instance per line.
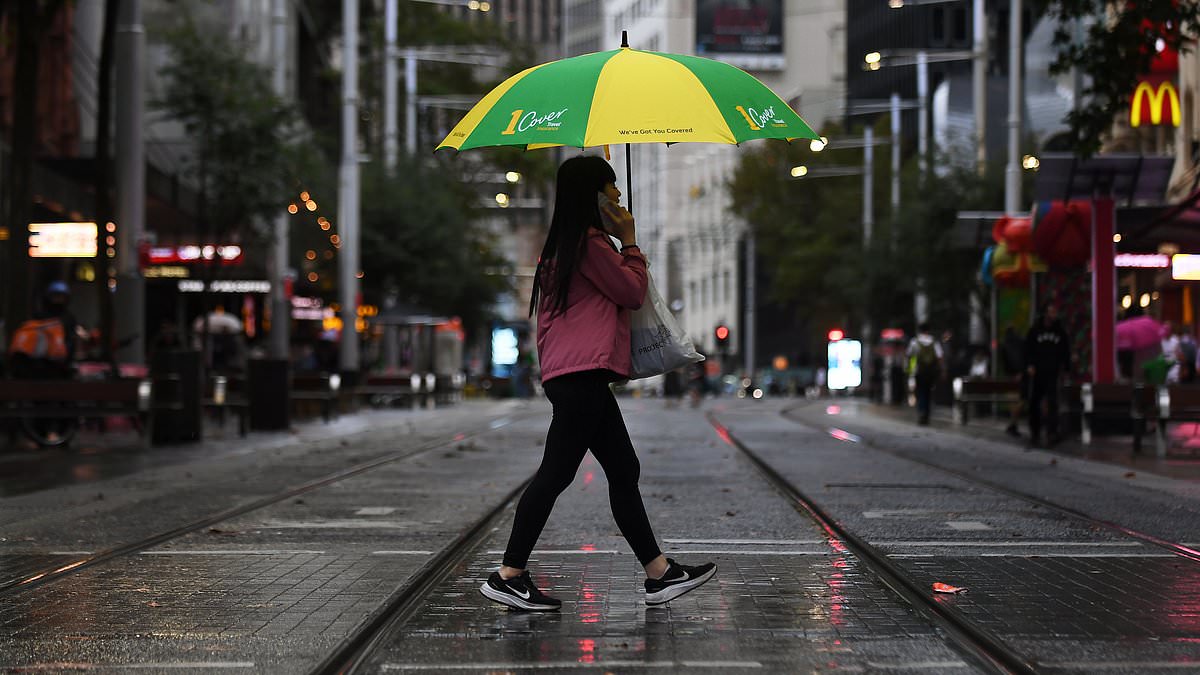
(627,96)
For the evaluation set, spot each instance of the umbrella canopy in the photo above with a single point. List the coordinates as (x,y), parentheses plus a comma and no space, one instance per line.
(627,96)
(218,323)
(1139,332)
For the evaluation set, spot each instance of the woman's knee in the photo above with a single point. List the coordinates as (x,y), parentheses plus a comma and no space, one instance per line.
(551,483)
(626,475)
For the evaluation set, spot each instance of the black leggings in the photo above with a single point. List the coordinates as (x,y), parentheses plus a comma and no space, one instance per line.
(586,416)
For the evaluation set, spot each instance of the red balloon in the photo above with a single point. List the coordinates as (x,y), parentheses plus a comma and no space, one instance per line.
(1015,232)
(1062,237)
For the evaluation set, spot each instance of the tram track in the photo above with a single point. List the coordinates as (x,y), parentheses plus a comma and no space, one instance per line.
(63,569)
(983,648)
(1177,548)
(355,650)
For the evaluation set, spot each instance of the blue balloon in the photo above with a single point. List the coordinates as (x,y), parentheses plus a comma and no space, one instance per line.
(985,268)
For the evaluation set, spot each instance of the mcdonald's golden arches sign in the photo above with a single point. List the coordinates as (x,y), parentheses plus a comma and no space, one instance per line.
(1151,100)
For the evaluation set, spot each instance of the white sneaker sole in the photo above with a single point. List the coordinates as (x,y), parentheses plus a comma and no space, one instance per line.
(671,592)
(513,601)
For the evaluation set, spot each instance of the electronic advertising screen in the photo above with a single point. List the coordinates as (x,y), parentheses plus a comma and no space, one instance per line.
(505,350)
(745,33)
(845,364)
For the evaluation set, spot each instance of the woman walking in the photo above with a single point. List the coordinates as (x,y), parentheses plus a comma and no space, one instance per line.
(583,291)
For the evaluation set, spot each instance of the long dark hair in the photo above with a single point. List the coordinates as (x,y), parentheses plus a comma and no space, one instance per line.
(575,212)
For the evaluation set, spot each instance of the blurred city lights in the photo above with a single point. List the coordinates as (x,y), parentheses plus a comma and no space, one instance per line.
(1127,301)
(312,277)
(359,275)
(303,196)
(1031,163)
(1144,301)
(816,145)
(293,209)
(512,177)
(310,254)
(799,171)
(335,240)
(502,200)
(310,205)
(1116,238)
(110,227)
(873,57)
(895,4)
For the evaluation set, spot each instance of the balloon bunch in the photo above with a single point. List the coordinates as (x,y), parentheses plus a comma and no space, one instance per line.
(1011,261)
(1057,234)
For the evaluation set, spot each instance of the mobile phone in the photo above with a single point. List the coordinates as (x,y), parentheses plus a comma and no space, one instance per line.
(603,202)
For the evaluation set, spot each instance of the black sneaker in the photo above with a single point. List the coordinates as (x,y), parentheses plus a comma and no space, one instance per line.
(518,592)
(678,580)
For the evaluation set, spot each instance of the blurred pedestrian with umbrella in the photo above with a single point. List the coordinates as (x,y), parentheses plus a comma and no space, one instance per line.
(225,331)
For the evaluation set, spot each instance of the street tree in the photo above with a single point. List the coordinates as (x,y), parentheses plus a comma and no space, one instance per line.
(243,162)
(1119,42)
(808,230)
(427,244)
(809,236)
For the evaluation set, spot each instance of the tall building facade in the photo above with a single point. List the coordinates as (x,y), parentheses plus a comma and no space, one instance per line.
(680,193)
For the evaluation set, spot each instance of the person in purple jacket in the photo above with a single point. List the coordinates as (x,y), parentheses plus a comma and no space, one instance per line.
(584,289)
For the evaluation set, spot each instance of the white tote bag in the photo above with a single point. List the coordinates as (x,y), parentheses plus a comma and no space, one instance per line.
(657,343)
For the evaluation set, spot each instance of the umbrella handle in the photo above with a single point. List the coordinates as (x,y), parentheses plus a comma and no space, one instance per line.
(629,175)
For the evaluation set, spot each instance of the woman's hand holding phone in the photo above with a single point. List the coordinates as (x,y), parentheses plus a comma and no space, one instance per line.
(617,221)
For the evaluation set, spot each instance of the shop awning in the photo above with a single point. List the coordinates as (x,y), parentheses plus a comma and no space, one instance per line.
(1177,223)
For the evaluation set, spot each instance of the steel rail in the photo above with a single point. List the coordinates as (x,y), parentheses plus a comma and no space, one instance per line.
(59,571)
(1177,548)
(984,648)
(356,649)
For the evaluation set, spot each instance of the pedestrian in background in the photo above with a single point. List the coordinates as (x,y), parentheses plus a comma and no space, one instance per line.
(926,361)
(1047,355)
(584,289)
(1013,353)
(1187,355)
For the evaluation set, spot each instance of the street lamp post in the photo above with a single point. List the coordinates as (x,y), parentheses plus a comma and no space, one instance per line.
(348,192)
(280,311)
(1012,172)
(131,181)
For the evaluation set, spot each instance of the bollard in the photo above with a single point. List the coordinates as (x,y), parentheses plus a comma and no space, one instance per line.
(1164,414)
(1089,404)
(414,382)
(219,384)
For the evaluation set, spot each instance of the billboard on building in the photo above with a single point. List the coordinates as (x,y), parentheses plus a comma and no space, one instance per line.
(745,33)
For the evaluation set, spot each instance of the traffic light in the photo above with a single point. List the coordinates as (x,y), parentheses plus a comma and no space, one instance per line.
(721,333)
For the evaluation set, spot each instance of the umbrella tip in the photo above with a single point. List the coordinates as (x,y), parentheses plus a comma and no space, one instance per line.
(624,38)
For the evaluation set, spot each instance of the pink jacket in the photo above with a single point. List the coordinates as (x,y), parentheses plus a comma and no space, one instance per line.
(593,331)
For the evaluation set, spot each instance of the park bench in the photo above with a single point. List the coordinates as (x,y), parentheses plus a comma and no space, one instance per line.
(321,389)
(383,390)
(971,390)
(1174,403)
(1117,403)
(133,398)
